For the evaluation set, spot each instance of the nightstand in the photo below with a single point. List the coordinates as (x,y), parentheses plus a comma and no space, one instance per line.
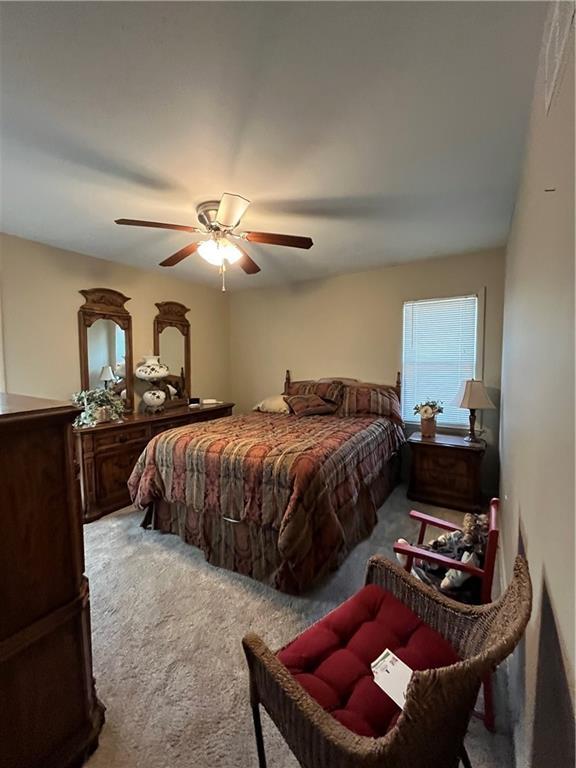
(445,471)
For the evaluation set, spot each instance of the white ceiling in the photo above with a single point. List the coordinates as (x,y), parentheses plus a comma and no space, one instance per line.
(385,131)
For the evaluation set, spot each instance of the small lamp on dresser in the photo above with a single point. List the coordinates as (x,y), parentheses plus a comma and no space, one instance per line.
(107,375)
(472,395)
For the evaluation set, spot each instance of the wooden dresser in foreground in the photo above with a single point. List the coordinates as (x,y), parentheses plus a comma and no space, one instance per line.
(49,714)
(445,470)
(108,452)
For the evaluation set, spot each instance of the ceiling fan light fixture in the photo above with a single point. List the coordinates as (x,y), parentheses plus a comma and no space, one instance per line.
(215,251)
(231,252)
(210,252)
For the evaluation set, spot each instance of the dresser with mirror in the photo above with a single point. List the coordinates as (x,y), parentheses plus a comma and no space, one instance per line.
(107,451)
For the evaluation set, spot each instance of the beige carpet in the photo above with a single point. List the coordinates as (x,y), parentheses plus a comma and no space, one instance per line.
(167,655)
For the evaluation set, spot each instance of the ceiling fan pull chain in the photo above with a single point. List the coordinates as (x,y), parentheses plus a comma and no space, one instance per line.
(223,273)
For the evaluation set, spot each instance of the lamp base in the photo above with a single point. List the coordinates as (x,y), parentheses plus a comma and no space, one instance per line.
(471,436)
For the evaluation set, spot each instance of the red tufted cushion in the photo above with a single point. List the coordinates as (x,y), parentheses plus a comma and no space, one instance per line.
(331,659)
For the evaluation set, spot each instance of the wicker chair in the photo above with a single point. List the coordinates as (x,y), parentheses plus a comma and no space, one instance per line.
(430,731)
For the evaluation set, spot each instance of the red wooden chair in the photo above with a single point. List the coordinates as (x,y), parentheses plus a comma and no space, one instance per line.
(485,574)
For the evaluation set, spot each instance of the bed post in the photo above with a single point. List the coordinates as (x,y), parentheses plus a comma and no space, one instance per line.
(398,386)
(287,382)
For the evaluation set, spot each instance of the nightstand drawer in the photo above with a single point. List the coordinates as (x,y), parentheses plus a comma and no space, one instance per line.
(445,489)
(444,464)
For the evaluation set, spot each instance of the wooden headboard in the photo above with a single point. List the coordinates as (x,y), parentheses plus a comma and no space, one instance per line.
(397,386)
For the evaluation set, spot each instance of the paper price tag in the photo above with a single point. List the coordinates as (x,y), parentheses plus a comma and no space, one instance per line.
(392,675)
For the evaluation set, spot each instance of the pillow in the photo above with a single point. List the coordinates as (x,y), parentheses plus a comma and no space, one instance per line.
(310,405)
(375,399)
(272,404)
(327,390)
(339,378)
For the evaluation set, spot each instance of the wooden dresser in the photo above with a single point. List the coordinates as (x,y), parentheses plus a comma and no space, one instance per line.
(49,714)
(445,470)
(108,452)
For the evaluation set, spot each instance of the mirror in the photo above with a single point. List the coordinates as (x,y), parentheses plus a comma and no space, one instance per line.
(172,350)
(105,340)
(172,354)
(106,353)
(172,344)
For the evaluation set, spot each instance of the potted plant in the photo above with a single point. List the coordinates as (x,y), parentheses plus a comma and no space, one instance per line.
(427,412)
(98,405)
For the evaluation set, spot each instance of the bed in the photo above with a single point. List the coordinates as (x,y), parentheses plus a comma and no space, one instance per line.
(280,498)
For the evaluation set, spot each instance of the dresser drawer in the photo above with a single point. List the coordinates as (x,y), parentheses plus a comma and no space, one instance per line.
(212,414)
(114,437)
(157,428)
(191,418)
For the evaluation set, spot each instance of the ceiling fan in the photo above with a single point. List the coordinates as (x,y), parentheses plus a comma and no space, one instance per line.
(220,219)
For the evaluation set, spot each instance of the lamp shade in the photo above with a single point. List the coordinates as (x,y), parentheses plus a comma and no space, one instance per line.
(472,394)
(231,210)
(107,374)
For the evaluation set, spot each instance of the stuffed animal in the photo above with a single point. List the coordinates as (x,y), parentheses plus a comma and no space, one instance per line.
(467,545)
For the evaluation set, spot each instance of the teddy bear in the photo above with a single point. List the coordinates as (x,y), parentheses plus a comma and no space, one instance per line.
(467,545)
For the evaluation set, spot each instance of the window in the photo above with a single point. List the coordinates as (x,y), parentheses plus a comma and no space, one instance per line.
(438,353)
(120,345)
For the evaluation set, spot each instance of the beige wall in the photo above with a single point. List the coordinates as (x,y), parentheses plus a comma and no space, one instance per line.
(537,441)
(40,302)
(2,366)
(351,325)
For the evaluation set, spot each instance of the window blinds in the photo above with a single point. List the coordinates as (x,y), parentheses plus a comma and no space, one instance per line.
(438,353)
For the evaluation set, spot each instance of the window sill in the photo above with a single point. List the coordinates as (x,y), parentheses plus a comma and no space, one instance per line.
(449,429)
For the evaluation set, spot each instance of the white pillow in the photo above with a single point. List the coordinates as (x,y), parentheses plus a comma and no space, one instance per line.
(272,404)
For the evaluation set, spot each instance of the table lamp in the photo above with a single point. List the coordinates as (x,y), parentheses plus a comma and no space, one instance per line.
(472,395)
(107,375)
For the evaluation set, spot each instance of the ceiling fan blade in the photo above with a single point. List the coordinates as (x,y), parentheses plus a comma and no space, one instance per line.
(294,241)
(231,210)
(246,263)
(158,225)
(177,257)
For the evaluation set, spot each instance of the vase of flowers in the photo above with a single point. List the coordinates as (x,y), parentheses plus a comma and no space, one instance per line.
(98,405)
(428,412)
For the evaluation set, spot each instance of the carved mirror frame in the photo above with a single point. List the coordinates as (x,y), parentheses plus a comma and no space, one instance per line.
(172,314)
(105,304)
